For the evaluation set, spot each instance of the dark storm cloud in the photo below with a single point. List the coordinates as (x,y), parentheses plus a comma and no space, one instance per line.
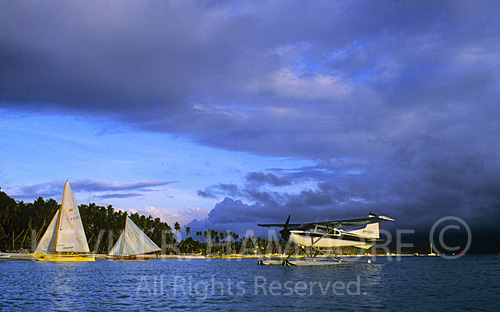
(50,189)
(54,189)
(266,178)
(419,183)
(397,102)
(321,79)
(205,194)
(221,188)
(120,195)
(102,186)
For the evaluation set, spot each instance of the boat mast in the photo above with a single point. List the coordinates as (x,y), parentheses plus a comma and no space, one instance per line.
(59,217)
(124,231)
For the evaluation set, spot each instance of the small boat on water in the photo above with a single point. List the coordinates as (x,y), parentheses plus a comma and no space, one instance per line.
(64,240)
(231,256)
(432,253)
(4,256)
(132,244)
(272,261)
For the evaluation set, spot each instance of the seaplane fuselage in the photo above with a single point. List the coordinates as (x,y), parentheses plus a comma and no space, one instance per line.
(364,238)
(329,234)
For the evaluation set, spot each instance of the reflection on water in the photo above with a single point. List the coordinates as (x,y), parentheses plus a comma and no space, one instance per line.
(233,285)
(64,285)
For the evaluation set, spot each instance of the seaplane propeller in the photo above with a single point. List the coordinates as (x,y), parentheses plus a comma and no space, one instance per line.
(285,233)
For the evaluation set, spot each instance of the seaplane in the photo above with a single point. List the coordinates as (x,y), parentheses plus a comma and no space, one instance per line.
(317,238)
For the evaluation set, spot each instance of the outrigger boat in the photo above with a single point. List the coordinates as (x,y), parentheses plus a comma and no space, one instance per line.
(132,244)
(64,240)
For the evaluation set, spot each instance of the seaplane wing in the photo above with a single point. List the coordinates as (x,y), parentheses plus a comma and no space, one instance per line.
(372,218)
(292,225)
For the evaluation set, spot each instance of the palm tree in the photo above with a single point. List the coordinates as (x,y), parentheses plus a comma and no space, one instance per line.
(177,227)
(215,235)
(205,235)
(188,230)
(187,245)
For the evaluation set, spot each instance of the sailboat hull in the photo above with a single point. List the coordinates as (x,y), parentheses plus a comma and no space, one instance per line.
(131,258)
(63,258)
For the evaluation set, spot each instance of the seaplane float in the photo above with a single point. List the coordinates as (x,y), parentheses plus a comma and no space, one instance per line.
(319,239)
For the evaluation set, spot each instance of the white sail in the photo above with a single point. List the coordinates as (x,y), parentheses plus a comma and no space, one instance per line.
(133,241)
(48,239)
(71,236)
(65,232)
(117,247)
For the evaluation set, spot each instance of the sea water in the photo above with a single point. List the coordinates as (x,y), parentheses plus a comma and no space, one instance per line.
(469,283)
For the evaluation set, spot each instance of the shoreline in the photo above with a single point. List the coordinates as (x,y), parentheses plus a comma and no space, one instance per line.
(26,256)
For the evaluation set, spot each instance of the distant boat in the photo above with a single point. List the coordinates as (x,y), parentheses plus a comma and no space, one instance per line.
(4,256)
(131,243)
(64,240)
(231,257)
(432,254)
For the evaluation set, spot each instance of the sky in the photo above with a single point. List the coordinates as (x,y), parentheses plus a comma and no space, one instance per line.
(224,114)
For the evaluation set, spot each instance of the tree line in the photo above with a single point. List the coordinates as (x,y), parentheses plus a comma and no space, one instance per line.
(23,224)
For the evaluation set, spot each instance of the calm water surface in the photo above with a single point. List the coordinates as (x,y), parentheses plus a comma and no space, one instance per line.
(411,284)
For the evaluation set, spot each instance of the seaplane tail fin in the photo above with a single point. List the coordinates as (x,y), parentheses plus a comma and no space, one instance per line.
(369,231)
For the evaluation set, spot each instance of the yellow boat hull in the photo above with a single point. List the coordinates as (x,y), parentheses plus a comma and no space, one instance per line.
(131,258)
(231,257)
(64,258)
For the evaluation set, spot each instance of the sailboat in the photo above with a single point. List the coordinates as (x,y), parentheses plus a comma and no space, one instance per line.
(432,254)
(131,243)
(64,240)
